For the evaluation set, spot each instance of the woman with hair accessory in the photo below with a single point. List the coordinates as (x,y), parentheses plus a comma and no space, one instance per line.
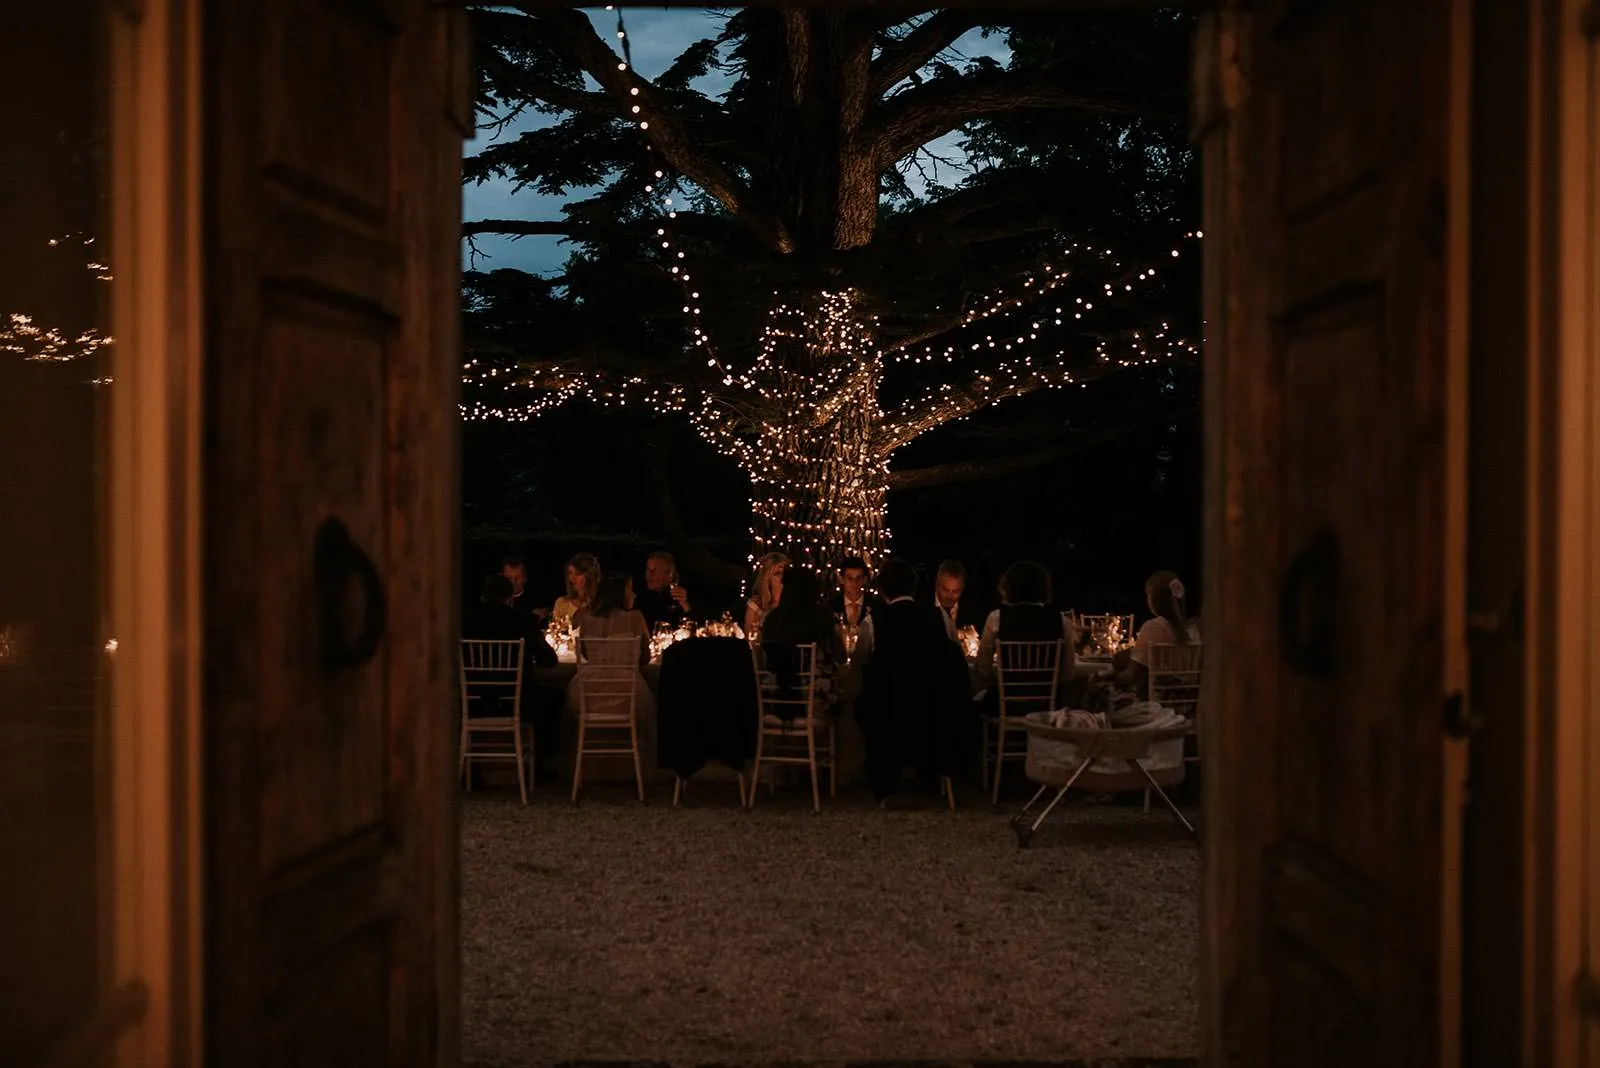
(1165,594)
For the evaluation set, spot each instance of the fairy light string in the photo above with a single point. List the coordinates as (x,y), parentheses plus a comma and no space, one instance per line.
(804,418)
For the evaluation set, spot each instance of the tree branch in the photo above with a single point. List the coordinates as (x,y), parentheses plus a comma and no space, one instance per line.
(915,117)
(571,31)
(995,190)
(947,403)
(1005,225)
(912,52)
(973,470)
(501,71)
(715,227)
(934,326)
(525,227)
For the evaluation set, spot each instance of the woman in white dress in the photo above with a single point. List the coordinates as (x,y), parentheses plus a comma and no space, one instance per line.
(764,591)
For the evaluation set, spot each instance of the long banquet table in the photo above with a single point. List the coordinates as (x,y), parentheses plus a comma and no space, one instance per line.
(850,748)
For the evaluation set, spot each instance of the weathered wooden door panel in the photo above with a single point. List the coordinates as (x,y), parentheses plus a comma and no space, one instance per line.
(1325,568)
(333,180)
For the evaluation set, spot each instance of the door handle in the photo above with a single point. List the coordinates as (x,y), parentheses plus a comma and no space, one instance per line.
(1308,607)
(338,560)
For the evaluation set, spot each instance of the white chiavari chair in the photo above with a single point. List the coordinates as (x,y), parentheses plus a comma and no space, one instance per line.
(491,680)
(806,737)
(1027,674)
(1175,684)
(608,704)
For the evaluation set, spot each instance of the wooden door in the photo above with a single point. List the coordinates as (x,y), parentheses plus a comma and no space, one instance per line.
(1325,139)
(332,133)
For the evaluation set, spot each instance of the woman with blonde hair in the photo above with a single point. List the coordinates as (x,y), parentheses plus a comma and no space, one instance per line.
(765,590)
(1165,594)
(583,582)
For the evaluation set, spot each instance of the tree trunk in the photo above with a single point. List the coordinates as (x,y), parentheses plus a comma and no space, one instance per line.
(818,482)
(821,496)
(825,171)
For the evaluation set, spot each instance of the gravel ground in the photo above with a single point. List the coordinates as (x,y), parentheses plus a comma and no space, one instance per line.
(619,932)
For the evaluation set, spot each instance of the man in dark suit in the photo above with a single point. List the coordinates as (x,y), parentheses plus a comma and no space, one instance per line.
(853,604)
(913,708)
(494,618)
(516,572)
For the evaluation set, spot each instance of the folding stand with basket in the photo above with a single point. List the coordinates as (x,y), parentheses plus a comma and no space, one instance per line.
(1063,757)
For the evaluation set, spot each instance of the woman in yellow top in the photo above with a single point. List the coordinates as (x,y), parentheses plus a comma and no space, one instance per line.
(583,580)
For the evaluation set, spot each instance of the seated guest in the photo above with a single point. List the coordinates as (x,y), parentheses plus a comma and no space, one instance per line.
(663,600)
(516,571)
(949,586)
(1164,593)
(913,707)
(853,605)
(764,591)
(800,618)
(583,580)
(1022,617)
(611,614)
(494,618)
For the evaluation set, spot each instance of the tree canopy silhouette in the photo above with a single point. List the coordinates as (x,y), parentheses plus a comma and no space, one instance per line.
(822,233)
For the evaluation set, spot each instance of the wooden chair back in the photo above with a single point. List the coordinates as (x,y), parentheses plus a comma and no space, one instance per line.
(608,678)
(1028,674)
(795,702)
(491,674)
(1175,676)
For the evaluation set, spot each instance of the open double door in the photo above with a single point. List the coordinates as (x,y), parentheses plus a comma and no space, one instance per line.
(308,177)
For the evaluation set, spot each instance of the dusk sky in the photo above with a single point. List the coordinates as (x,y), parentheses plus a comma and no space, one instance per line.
(657,36)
